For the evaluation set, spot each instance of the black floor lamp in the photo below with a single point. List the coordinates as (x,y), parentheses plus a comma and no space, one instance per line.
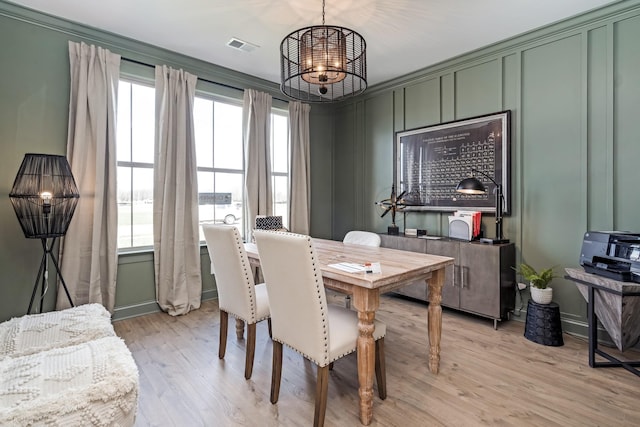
(44,197)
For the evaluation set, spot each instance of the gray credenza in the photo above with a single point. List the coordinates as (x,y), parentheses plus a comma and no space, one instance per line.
(481,281)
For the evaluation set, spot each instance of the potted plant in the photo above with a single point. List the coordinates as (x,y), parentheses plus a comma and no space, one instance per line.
(541,293)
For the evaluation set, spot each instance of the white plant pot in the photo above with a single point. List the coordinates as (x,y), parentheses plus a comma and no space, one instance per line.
(541,296)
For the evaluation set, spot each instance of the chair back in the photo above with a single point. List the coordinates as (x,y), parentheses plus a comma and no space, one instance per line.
(365,238)
(233,273)
(297,297)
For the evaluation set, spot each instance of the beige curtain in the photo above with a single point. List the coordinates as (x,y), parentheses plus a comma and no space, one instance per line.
(299,176)
(89,250)
(176,243)
(257,133)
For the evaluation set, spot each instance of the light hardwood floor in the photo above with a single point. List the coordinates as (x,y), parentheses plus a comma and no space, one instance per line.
(487,377)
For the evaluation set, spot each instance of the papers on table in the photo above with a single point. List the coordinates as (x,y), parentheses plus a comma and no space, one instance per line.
(351,267)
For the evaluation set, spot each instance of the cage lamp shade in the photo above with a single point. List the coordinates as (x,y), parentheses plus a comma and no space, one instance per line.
(323,63)
(471,186)
(44,195)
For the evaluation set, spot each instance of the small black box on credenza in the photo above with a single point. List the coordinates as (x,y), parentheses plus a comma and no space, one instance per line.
(393,230)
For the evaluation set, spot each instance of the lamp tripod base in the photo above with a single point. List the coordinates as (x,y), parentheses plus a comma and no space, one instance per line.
(48,251)
(490,241)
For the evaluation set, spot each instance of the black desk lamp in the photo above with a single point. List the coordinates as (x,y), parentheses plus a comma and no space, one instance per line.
(474,186)
(44,197)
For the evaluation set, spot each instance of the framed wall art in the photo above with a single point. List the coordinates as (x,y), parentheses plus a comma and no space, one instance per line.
(431,161)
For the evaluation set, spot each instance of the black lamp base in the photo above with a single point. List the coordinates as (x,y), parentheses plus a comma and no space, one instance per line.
(490,241)
(42,275)
(393,230)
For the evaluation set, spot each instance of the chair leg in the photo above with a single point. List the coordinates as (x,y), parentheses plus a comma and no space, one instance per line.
(322,386)
(251,349)
(224,325)
(381,371)
(276,371)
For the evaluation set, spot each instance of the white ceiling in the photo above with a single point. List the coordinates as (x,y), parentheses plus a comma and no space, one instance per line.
(402,35)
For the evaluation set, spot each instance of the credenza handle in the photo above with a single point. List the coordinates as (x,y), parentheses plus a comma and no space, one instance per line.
(462,277)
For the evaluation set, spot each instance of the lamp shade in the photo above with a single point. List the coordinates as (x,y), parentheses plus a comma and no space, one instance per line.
(471,186)
(323,63)
(44,195)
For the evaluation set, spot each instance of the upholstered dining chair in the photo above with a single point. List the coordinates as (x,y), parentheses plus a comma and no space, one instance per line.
(357,237)
(365,238)
(238,294)
(301,317)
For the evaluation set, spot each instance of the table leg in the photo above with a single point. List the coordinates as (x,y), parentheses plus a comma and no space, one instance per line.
(366,301)
(593,326)
(239,329)
(434,314)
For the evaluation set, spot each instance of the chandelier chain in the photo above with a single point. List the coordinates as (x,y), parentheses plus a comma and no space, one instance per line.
(323,12)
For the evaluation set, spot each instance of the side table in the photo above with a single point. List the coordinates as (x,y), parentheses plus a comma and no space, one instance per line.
(543,324)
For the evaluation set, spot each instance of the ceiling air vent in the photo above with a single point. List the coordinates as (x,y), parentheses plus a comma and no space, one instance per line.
(241,45)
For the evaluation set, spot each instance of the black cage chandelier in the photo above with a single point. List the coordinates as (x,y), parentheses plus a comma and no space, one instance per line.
(323,63)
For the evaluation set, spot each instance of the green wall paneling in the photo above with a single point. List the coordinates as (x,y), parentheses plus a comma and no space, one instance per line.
(573,90)
(322,171)
(511,72)
(600,146)
(478,89)
(135,292)
(34,101)
(359,177)
(378,160)
(553,196)
(344,190)
(422,104)
(626,109)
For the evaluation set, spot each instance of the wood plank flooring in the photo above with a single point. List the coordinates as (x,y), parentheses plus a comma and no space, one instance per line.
(487,377)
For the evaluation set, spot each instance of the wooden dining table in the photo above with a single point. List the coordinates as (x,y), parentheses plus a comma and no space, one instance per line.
(398,268)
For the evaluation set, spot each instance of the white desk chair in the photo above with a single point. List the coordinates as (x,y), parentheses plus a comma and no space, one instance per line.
(365,238)
(237,293)
(301,317)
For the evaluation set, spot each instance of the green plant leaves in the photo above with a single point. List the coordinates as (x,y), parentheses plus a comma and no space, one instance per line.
(538,279)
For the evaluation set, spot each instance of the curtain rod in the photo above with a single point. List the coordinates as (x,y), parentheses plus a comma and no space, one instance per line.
(135,61)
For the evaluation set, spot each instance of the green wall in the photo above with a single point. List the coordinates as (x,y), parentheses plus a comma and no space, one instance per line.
(34,99)
(573,89)
(574,92)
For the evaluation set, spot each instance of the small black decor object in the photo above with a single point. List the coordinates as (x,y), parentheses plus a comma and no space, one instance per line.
(393,204)
(44,196)
(474,186)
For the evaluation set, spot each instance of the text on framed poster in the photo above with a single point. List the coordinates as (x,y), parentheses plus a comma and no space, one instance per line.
(431,161)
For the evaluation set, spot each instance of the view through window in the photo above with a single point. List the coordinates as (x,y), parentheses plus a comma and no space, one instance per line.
(220,162)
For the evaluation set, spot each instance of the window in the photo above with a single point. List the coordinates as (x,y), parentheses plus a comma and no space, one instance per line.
(219,155)
(280,164)
(135,151)
(220,161)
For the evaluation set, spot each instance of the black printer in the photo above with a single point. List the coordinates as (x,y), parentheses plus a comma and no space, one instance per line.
(612,254)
